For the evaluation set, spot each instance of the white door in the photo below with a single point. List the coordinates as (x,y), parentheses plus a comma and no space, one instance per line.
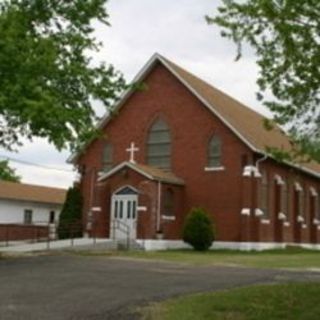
(124,216)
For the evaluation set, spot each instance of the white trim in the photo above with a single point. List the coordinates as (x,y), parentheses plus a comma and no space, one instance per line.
(300,218)
(141,208)
(316,221)
(245,212)
(265,221)
(168,218)
(208,169)
(298,187)
(157,245)
(282,216)
(313,192)
(247,171)
(96,209)
(286,224)
(258,212)
(250,170)
(135,168)
(121,166)
(126,186)
(279,180)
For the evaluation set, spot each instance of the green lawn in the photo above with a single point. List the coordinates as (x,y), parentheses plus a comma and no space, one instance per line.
(268,302)
(289,258)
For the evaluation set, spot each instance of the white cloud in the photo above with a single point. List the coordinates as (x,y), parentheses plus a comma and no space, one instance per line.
(176,29)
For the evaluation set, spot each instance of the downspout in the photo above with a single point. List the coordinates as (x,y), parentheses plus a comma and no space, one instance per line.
(159,206)
(265,157)
(91,200)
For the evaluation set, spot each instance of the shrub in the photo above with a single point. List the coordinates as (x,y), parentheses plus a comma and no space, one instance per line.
(198,230)
(71,215)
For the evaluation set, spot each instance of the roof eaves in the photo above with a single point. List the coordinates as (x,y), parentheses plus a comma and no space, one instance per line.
(170,181)
(31,200)
(121,166)
(293,165)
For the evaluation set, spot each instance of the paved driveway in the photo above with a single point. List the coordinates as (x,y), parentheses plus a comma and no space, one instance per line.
(96,288)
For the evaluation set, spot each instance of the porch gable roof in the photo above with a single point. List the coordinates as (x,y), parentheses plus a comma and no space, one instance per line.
(152,173)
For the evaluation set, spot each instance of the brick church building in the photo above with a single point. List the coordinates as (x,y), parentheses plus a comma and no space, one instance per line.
(180,143)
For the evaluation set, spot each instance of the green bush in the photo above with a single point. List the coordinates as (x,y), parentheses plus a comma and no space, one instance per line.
(70,225)
(198,230)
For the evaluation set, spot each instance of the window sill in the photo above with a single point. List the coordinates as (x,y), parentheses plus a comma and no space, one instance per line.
(245,212)
(286,224)
(168,218)
(209,169)
(265,221)
(304,226)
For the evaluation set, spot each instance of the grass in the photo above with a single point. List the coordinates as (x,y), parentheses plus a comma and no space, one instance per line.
(292,258)
(294,301)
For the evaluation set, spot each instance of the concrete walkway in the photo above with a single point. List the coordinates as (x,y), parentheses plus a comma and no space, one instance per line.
(56,245)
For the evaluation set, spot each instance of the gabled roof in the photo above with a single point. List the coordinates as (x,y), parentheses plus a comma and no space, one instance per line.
(32,193)
(243,121)
(149,172)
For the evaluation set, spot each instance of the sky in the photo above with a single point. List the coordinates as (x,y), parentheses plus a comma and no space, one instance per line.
(139,28)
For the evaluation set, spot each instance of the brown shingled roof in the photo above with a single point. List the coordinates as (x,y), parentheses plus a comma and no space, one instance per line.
(151,173)
(28,192)
(247,122)
(158,174)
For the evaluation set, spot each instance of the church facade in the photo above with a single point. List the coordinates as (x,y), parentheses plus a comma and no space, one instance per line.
(180,143)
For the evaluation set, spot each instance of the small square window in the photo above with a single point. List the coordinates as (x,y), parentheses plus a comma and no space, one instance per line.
(52,217)
(27,219)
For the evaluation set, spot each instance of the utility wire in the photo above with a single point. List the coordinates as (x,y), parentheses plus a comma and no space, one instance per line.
(28,163)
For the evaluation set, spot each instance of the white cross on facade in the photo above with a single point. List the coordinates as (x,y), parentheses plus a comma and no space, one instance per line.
(132,150)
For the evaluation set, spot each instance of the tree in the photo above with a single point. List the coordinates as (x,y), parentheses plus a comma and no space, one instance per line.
(70,224)
(7,173)
(198,230)
(286,38)
(48,83)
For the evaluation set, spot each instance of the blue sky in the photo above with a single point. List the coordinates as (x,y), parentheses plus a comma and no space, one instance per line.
(139,28)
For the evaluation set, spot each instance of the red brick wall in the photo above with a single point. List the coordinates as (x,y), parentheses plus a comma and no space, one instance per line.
(275,230)
(17,232)
(192,126)
(223,194)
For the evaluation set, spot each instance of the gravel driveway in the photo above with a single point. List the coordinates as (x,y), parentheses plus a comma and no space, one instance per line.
(95,288)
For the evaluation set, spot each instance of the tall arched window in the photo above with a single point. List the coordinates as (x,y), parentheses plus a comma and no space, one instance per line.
(284,207)
(159,145)
(107,157)
(264,194)
(214,154)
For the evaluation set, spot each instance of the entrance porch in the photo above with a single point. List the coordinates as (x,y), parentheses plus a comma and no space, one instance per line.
(138,202)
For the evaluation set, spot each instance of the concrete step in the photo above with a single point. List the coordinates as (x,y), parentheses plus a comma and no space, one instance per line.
(123,244)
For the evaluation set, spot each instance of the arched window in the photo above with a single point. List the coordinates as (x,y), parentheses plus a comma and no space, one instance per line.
(159,145)
(107,157)
(284,207)
(264,194)
(214,156)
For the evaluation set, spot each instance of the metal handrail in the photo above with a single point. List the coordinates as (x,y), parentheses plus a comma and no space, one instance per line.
(123,227)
